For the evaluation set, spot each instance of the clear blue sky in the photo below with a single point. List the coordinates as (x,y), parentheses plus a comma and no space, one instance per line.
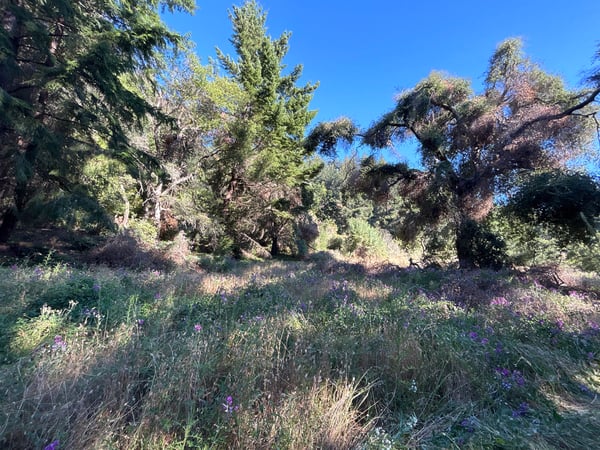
(363,53)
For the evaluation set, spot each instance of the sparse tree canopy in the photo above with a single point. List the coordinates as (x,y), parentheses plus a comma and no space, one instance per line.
(474,145)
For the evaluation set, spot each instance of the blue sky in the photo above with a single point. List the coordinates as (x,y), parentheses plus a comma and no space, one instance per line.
(363,53)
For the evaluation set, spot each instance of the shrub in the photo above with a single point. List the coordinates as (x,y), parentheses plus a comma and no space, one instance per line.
(364,240)
(125,250)
(478,247)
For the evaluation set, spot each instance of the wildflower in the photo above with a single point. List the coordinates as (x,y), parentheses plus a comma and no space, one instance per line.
(469,424)
(484,341)
(228,406)
(53,445)
(503,371)
(140,322)
(576,295)
(498,348)
(500,301)
(413,386)
(560,324)
(590,355)
(223,298)
(59,344)
(197,327)
(473,335)
(157,296)
(14,267)
(521,410)
(303,307)
(517,376)
(96,287)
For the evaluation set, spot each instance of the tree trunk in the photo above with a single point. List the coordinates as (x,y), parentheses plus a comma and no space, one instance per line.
(9,223)
(464,243)
(10,219)
(275,246)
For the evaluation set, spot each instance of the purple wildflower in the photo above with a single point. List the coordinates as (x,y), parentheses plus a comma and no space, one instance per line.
(521,410)
(473,335)
(560,324)
(484,341)
(59,344)
(140,322)
(500,301)
(517,376)
(468,424)
(53,445)
(96,287)
(157,296)
(503,371)
(197,327)
(228,406)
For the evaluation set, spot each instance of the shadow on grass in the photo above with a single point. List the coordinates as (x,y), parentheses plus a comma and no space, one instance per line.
(463,352)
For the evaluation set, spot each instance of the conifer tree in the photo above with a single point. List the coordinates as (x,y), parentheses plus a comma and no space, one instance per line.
(62,90)
(259,173)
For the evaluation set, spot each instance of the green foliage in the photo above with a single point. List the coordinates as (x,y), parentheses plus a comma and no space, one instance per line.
(259,173)
(480,247)
(75,210)
(109,182)
(326,136)
(144,230)
(363,239)
(63,90)
(566,203)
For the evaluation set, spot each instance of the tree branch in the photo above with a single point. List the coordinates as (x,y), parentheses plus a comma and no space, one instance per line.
(547,118)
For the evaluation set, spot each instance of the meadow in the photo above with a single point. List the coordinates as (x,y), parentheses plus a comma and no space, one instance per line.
(320,353)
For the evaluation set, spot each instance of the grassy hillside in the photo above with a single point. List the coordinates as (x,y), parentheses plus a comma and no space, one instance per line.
(289,354)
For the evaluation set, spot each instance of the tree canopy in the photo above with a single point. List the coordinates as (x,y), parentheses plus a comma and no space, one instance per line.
(105,111)
(474,146)
(62,87)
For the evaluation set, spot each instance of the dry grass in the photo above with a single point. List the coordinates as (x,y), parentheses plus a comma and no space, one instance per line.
(282,355)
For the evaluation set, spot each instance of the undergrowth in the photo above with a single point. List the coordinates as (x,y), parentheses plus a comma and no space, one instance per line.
(295,355)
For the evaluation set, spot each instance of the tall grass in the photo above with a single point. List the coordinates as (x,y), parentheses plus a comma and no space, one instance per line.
(315,354)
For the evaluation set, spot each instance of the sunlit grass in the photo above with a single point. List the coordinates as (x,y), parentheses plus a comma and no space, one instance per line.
(296,354)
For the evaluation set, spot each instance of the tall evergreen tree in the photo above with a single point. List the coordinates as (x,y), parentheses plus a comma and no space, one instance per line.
(259,173)
(62,90)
